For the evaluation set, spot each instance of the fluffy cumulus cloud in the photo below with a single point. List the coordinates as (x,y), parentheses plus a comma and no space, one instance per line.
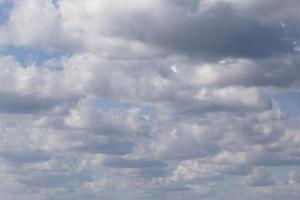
(160,99)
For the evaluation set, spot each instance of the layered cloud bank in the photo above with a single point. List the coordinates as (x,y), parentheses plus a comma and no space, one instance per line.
(160,99)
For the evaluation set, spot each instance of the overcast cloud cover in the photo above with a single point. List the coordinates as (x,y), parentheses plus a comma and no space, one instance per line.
(152,99)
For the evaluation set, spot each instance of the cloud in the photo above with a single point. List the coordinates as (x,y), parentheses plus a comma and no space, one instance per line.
(24,104)
(124,163)
(25,157)
(106,146)
(161,99)
(54,180)
(294,177)
(222,32)
(258,178)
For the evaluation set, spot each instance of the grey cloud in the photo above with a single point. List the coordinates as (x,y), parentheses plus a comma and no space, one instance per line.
(54,180)
(108,146)
(25,156)
(208,100)
(14,103)
(191,5)
(150,172)
(173,188)
(220,33)
(277,161)
(184,148)
(258,178)
(125,163)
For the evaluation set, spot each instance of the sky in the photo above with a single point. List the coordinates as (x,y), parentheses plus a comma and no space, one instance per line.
(149,100)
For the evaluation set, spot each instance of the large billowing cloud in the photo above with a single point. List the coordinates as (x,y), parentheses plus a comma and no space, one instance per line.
(160,99)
